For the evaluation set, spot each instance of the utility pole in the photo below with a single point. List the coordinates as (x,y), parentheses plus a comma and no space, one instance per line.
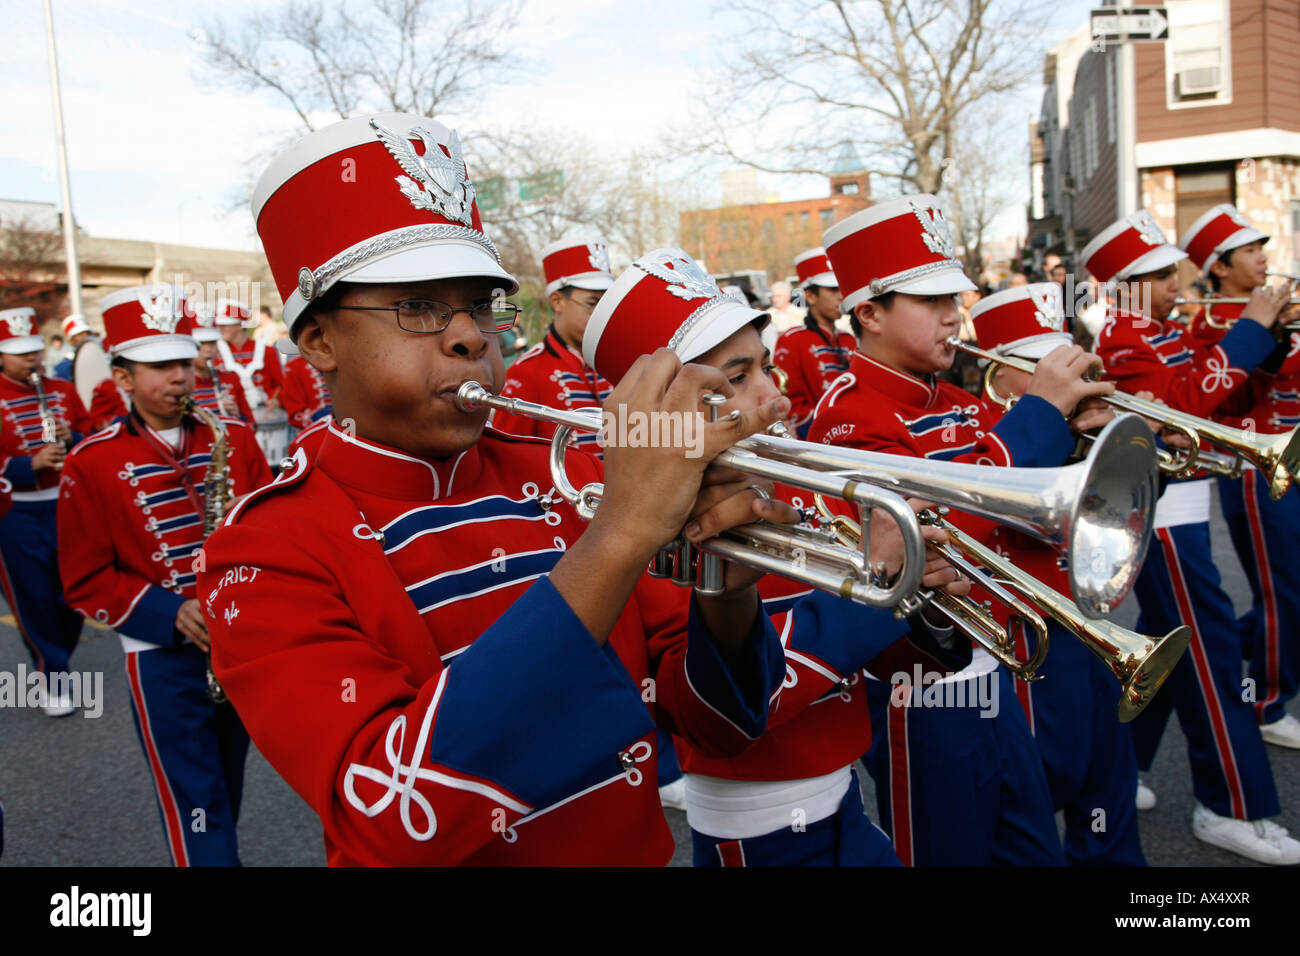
(69,226)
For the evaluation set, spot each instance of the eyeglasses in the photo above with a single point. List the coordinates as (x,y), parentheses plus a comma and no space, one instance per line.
(426,315)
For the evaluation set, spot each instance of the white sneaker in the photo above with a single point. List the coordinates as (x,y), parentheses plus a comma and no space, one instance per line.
(1282,733)
(1146,797)
(60,706)
(1259,840)
(673,795)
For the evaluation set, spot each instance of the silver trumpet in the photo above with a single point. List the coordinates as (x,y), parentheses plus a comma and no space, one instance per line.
(1098,513)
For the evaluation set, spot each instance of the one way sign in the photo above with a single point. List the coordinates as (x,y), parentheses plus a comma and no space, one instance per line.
(1129,23)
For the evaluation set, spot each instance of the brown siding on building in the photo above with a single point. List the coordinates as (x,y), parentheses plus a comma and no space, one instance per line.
(1265,61)
(1094,201)
(1282,64)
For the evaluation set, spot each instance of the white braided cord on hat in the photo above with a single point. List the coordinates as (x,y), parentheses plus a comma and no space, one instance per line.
(881,285)
(312,283)
(695,317)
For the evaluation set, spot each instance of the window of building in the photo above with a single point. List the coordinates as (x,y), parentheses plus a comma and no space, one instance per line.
(846,189)
(789,221)
(803,219)
(1112,64)
(769,230)
(828,218)
(1198,66)
(1090,150)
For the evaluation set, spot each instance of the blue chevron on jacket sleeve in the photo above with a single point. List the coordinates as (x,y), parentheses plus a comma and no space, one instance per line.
(536,705)
(1035,433)
(153,619)
(841,634)
(740,692)
(1247,344)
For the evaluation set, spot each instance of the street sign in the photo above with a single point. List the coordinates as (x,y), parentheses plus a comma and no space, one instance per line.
(491,192)
(1129,23)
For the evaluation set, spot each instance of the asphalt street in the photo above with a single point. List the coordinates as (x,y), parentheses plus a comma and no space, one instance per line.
(76,791)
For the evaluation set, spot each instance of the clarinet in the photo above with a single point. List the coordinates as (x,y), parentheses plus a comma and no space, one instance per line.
(216,386)
(49,428)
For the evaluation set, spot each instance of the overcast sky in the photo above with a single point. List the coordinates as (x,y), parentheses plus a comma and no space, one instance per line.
(155,153)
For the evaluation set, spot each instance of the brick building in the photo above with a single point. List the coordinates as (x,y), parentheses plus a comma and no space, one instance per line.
(768,235)
(1217,116)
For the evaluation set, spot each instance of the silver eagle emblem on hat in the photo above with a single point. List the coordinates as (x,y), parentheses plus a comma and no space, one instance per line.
(598,256)
(1047,304)
(685,278)
(447,190)
(1147,228)
(159,312)
(937,234)
(18,325)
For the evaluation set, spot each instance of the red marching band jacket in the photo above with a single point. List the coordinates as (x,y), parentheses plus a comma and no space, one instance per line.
(1161,357)
(137,529)
(551,373)
(812,361)
(447,706)
(22,410)
(269,377)
(1270,402)
(304,396)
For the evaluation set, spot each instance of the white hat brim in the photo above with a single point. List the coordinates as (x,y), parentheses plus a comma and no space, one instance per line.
(23,345)
(728,319)
(207,335)
(1153,261)
(157,348)
(1039,346)
(594,282)
(823,280)
(284,345)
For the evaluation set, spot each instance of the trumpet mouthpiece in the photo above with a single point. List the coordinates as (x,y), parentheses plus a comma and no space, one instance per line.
(470,396)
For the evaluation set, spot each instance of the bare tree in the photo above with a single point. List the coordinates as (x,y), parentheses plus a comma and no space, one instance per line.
(328,61)
(982,178)
(29,259)
(891,78)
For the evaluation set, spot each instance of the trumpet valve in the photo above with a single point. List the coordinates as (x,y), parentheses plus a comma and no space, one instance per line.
(661,565)
(684,564)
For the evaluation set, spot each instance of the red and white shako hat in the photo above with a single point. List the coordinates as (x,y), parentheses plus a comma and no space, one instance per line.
(205,324)
(904,245)
(1220,230)
(664,299)
(581,263)
(74,324)
(18,334)
(1133,246)
(231,313)
(1027,321)
(814,268)
(382,198)
(149,323)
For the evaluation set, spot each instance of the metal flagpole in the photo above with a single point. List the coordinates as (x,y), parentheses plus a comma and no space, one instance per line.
(69,227)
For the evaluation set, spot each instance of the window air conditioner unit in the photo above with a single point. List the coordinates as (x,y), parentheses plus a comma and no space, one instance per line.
(1198,81)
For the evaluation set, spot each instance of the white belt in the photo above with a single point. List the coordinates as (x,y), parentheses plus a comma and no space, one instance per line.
(1184,502)
(44,494)
(741,809)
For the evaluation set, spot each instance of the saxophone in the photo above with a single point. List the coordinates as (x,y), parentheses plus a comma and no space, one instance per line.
(216,499)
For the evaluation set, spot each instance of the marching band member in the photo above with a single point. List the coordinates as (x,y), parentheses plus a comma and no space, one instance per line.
(255,362)
(75,331)
(305,395)
(792,798)
(816,353)
(1230,254)
(553,372)
(954,786)
(29,570)
(132,505)
(1087,753)
(476,674)
(1144,351)
(227,385)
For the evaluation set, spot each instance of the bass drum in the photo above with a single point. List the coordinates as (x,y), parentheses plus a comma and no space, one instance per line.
(90,366)
(273,433)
